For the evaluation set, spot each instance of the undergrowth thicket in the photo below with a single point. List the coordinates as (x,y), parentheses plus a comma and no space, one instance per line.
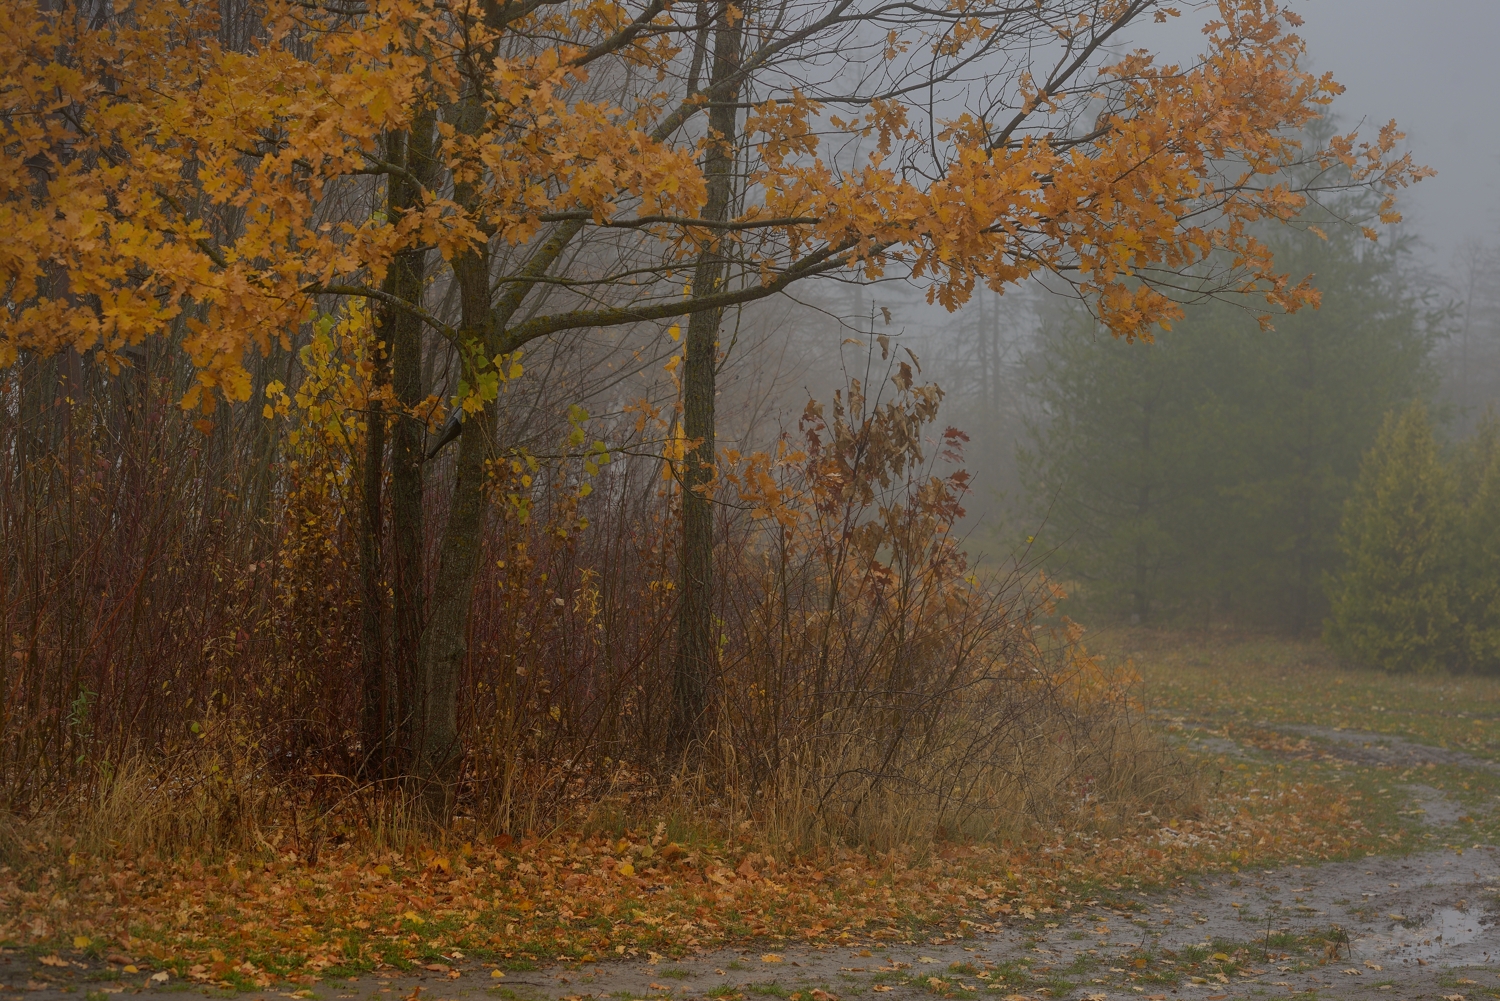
(181,633)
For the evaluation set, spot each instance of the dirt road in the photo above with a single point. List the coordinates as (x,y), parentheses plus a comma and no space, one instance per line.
(1420,926)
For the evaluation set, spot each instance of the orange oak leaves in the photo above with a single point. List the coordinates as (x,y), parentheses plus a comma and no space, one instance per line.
(157,180)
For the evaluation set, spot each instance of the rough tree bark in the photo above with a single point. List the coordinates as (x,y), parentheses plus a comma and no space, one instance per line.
(375,719)
(389,668)
(694,668)
(408,436)
(444,640)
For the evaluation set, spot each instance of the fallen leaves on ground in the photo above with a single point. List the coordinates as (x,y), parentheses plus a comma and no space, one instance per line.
(250,921)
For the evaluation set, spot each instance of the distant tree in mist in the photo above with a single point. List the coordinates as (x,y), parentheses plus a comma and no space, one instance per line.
(1470,359)
(978,357)
(1204,475)
(1116,463)
(1301,404)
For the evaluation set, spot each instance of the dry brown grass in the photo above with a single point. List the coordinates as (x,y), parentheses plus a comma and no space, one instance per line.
(1017,755)
(1035,763)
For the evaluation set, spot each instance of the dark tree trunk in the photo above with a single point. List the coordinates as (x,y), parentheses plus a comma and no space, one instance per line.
(1141,595)
(695,663)
(375,722)
(408,438)
(390,651)
(444,642)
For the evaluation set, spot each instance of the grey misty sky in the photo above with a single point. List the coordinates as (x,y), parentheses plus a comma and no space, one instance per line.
(1430,65)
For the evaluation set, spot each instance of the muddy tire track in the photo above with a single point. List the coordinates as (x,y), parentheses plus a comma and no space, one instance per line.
(1382,750)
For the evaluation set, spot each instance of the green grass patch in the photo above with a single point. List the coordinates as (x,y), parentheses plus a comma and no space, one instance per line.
(1249,678)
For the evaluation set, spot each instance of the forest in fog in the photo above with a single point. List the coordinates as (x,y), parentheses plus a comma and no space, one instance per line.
(518,415)
(1202,479)
(548,482)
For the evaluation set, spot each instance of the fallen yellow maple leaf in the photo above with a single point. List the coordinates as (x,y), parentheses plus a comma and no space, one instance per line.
(770,957)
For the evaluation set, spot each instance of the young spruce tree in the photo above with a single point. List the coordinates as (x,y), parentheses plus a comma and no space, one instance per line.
(1394,602)
(1477,601)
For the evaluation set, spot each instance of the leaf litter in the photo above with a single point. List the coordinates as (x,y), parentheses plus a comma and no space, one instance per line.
(253,920)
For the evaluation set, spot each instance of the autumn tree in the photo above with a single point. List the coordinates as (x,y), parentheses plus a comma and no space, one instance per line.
(500,172)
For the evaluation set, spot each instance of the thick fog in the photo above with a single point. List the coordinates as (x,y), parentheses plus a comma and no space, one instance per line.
(1428,65)
(1426,299)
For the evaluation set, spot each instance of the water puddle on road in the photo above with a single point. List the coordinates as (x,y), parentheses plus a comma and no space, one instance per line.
(1447,930)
